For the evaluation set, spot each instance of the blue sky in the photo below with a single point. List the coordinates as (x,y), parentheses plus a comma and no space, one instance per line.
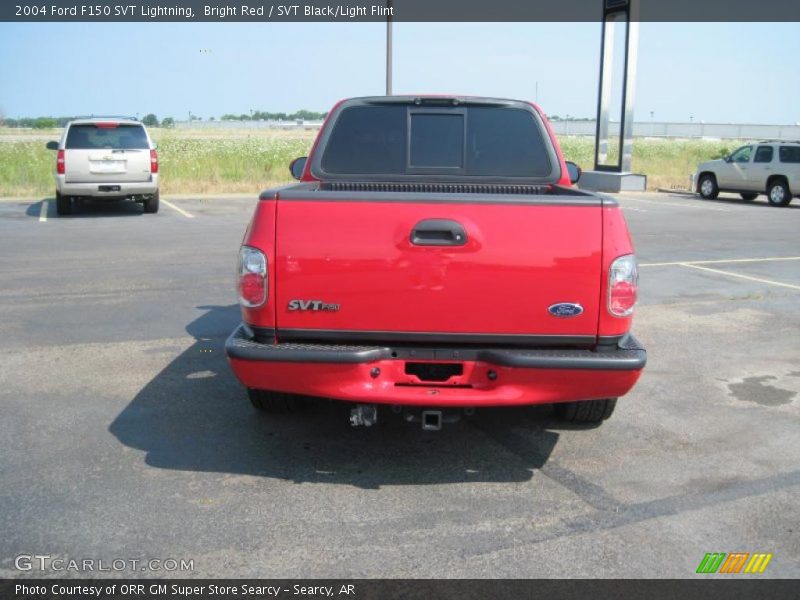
(716,72)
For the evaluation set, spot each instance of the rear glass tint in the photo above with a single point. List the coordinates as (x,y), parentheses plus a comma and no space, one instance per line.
(115,137)
(505,142)
(789,154)
(369,140)
(437,140)
(473,140)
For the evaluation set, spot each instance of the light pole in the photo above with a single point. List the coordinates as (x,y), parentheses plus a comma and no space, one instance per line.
(389,47)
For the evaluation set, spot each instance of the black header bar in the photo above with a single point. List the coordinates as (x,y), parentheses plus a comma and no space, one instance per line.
(746,587)
(344,11)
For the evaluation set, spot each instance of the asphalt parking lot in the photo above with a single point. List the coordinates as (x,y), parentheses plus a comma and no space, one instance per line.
(125,436)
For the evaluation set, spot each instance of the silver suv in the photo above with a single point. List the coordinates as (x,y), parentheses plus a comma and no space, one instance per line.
(106,158)
(768,167)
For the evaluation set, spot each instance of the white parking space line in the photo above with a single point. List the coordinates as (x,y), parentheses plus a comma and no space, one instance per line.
(43,211)
(740,276)
(662,203)
(178,209)
(683,263)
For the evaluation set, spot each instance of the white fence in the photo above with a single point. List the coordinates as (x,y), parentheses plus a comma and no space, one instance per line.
(657,129)
(734,131)
(248,124)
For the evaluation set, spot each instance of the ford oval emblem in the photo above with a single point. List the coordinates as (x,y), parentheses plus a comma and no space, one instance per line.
(565,309)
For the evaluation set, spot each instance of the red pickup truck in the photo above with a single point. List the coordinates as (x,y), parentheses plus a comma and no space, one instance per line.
(434,257)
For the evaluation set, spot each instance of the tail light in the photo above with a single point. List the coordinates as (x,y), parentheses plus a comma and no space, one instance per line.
(153,161)
(60,162)
(252,272)
(623,283)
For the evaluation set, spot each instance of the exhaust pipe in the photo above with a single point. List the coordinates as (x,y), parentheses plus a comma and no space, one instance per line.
(364,415)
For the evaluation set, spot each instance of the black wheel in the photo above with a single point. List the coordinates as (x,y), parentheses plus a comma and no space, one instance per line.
(707,186)
(748,196)
(778,193)
(63,204)
(587,411)
(275,402)
(151,204)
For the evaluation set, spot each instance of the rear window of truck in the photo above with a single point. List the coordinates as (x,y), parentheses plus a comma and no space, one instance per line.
(112,136)
(405,140)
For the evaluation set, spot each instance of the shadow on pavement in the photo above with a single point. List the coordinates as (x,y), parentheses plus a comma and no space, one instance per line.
(88,208)
(35,209)
(758,202)
(195,416)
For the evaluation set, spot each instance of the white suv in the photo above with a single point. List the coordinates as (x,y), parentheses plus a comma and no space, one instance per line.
(768,167)
(106,158)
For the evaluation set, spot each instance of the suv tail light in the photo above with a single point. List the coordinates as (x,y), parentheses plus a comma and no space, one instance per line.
(252,273)
(623,283)
(60,162)
(153,161)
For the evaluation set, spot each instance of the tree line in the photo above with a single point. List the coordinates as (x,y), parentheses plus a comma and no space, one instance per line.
(258,115)
(151,120)
(51,122)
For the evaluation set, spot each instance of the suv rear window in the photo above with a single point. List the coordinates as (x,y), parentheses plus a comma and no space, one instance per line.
(468,140)
(91,136)
(789,154)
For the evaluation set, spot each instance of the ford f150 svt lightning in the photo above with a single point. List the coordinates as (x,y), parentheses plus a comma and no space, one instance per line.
(434,257)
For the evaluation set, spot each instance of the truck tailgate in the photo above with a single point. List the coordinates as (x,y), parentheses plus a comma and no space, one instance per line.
(394,266)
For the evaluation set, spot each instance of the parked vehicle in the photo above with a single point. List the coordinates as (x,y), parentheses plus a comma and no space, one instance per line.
(434,257)
(105,158)
(768,167)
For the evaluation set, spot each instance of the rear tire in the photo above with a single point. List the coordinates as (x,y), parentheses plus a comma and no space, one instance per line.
(63,204)
(749,196)
(587,411)
(778,193)
(151,204)
(274,402)
(707,186)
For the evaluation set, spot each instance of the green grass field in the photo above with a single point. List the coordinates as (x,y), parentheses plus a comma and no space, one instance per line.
(228,161)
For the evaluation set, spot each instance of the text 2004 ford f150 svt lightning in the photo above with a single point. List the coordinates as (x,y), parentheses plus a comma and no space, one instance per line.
(434,257)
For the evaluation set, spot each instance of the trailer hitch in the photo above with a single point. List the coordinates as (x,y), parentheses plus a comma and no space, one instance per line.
(432,419)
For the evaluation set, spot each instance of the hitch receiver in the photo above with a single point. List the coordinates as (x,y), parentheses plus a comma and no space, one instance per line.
(431,420)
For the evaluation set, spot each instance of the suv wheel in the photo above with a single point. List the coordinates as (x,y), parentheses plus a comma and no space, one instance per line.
(151,204)
(63,204)
(748,196)
(275,402)
(778,193)
(707,186)
(587,411)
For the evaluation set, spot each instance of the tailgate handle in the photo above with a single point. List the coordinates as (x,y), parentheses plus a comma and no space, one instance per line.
(438,232)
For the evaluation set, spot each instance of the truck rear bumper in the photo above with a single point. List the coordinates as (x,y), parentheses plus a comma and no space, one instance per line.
(107,189)
(487,377)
